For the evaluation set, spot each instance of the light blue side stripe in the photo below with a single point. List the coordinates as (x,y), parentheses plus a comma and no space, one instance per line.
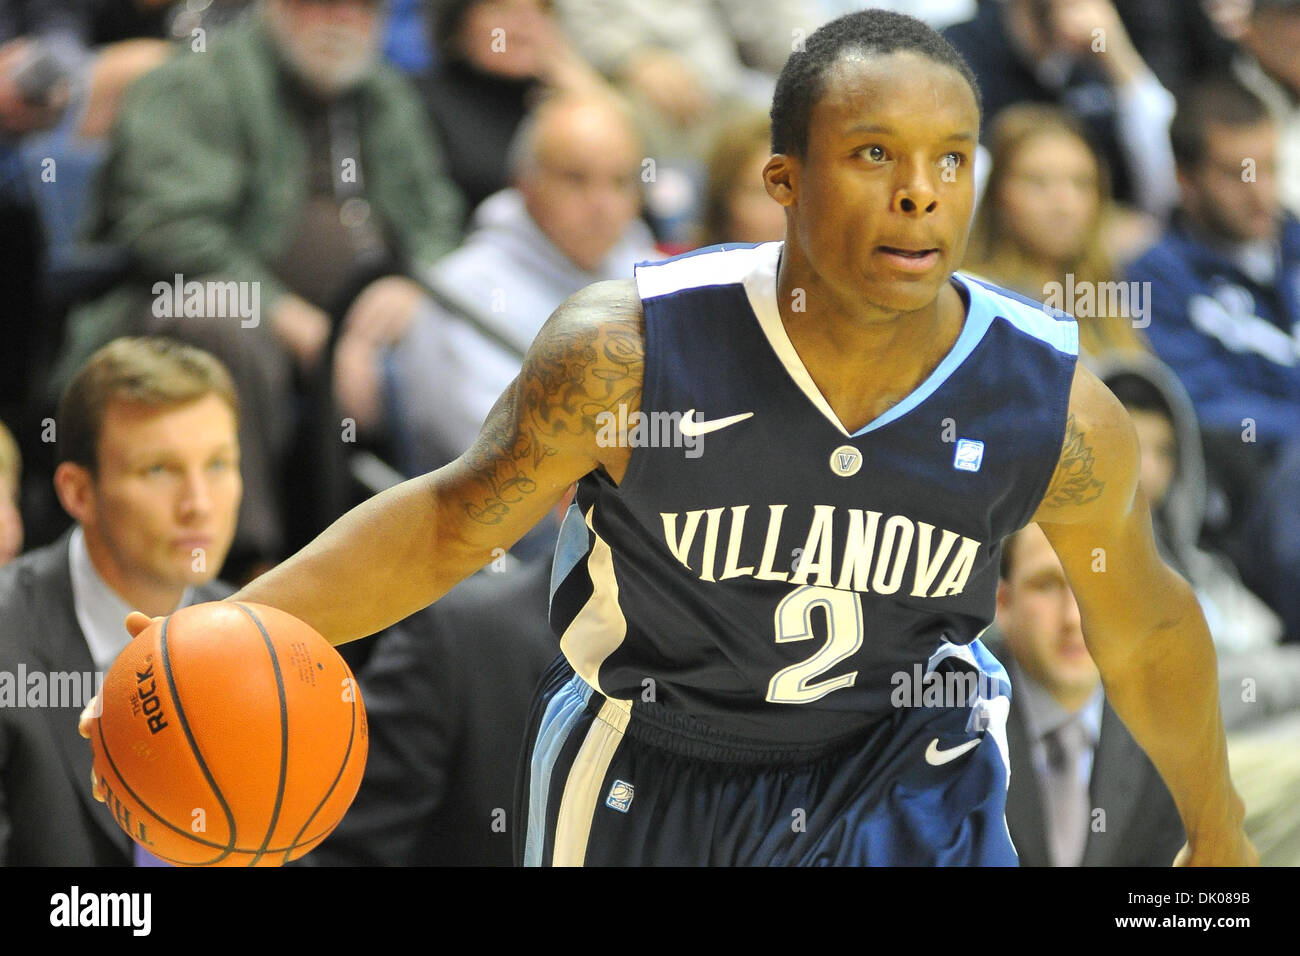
(562,712)
(570,548)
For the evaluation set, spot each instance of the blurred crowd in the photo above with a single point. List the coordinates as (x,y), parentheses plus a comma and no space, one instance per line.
(366,209)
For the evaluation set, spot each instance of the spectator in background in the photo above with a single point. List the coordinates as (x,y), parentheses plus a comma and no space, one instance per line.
(1225,275)
(447,701)
(1225,290)
(1173,479)
(569,220)
(681,61)
(58,94)
(684,65)
(285,158)
(149,469)
(496,59)
(937,13)
(737,207)
(11,521)
(1077,54)
(1083,793)
(1041,223)
(1269,66)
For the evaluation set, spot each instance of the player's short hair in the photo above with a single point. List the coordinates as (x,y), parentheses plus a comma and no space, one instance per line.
(1220,99)
(152,371)
(801,83)
(11,459)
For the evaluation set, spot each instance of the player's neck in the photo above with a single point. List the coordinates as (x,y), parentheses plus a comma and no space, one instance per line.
(864,361)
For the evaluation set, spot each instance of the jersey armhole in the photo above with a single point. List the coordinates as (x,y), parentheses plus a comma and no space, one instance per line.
(1061,414)
(651,388)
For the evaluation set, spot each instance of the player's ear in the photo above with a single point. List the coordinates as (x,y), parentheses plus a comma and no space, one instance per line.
(780,176)
(74,484)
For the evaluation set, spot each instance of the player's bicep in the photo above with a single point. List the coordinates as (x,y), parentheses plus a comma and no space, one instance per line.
(1098,522)
(541,434)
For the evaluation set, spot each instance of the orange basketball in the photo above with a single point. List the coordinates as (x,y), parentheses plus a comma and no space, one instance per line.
(231,735)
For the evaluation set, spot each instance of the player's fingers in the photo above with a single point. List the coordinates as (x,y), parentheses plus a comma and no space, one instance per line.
(97,790)
(89,714)
(137,621)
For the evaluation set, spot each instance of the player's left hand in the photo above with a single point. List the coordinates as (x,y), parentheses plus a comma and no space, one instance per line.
(135,623)
(1236,850)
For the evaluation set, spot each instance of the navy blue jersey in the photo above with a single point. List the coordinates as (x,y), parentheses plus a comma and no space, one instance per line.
(762,569)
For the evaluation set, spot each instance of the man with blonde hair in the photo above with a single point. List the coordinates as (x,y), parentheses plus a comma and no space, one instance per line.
(149,468)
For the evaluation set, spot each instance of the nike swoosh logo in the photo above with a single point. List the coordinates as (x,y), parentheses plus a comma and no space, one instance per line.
(937,758)
(691,427)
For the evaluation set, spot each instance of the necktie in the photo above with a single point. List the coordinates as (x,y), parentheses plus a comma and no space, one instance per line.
(1067,793)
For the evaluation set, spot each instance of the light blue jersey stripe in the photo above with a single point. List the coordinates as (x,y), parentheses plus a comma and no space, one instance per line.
(562,712)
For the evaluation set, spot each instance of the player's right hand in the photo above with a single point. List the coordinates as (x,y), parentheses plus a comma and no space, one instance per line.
(135,623)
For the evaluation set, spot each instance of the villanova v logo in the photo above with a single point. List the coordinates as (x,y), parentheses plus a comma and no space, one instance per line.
(846,461)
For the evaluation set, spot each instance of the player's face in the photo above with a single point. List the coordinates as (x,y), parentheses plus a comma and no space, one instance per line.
(163,506)
(1039,618)
(880,205)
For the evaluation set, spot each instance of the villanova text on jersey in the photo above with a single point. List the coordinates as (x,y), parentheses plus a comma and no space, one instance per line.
(772,585)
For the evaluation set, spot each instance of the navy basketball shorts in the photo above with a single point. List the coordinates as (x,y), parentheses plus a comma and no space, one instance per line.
(604,783)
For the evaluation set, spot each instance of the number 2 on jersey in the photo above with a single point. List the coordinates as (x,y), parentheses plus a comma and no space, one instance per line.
(793,621)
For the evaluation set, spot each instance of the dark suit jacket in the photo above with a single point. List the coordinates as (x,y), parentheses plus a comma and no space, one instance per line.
(47,814)
(447,695)
(1142,823)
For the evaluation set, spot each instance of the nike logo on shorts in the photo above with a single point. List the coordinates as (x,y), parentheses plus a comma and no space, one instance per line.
(937,758)
(691,427)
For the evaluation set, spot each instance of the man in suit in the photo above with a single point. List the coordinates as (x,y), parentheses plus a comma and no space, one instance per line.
(447,696)
(1082,792)
(149,468)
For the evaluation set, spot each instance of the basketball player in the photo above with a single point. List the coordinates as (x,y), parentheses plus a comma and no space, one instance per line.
(741,596)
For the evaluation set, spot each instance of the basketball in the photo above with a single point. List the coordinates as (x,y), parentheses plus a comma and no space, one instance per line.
(231,735)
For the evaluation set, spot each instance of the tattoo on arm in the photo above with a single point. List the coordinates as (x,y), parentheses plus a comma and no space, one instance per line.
(1073,483)
(574,371)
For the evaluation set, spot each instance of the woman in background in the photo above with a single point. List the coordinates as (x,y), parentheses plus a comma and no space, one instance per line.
(736,206)
(1047,218)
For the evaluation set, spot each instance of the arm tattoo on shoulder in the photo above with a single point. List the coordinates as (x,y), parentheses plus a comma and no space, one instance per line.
(573,373)
(1072,482)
